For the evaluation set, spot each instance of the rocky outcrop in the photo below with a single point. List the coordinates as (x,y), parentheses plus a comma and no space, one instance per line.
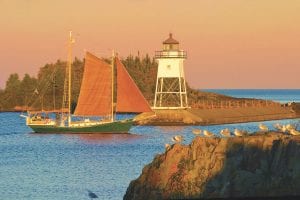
(261,165)
(296,108)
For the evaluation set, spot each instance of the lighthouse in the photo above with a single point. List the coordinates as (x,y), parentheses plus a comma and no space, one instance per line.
(170,90)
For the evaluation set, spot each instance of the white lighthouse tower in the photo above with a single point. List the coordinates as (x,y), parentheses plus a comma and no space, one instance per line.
(170,92)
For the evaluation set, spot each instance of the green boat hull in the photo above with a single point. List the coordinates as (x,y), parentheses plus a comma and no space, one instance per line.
(113,127)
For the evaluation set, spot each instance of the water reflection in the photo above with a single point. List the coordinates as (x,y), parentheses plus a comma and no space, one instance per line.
(64,166)
(107,138)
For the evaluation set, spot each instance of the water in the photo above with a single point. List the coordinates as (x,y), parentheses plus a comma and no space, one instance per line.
(279,95)
(34,166)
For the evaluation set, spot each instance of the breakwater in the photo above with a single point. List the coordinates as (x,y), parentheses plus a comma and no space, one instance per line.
(218,115)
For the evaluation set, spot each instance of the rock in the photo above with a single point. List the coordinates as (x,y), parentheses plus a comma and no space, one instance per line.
(264,165)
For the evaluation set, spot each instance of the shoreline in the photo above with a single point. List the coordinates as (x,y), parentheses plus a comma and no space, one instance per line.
(205,117)
(210,123)
(216,116)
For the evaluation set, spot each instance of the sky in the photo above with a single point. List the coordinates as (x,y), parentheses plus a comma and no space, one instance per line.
(230,44)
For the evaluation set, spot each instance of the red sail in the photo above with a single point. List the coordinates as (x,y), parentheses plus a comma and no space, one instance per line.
(129,97)
(95,92)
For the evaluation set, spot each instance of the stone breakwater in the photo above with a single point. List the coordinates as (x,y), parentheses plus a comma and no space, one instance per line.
(217,116)
(259,165)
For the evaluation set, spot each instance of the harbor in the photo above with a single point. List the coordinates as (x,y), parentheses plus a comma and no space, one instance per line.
(149,100)
(68,162)
(96,142)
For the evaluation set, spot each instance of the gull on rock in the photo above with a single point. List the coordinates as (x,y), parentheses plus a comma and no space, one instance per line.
(197,131)
(284,129)
(278,126)
(263,127)
(207,133)
(289,127)
(177,138)
(294,132)
(239,133)
(167,146)
(225,132)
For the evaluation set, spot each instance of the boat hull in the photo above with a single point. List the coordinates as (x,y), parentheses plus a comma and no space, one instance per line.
(113,127)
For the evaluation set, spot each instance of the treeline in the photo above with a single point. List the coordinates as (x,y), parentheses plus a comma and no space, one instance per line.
(42,92)
(46,90)
(17,91)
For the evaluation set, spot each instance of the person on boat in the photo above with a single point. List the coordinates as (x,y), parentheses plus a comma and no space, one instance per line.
(36,118)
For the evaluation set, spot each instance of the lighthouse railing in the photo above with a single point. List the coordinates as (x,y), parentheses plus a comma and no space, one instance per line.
(171,54)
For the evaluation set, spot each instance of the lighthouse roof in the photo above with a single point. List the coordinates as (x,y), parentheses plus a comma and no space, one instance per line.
(170,40)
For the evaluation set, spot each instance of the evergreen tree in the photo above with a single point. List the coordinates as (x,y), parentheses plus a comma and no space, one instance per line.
(27,88)
(1,99)
(12,91)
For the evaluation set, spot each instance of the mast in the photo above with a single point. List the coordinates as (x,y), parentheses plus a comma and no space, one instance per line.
(112,85)
(71,41)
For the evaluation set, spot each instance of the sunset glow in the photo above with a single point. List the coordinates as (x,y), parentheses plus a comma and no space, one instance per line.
(230,44)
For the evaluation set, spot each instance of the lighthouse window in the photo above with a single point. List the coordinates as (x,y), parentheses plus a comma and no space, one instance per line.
(166,47)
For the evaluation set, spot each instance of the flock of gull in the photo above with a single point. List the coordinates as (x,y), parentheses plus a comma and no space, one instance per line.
(287,129)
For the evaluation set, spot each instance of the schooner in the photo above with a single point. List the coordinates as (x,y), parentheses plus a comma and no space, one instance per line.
(100,96)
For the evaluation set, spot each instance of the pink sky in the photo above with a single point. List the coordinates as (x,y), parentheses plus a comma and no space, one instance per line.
(230,44)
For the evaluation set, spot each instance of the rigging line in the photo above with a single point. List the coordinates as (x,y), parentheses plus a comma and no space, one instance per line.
(43,90)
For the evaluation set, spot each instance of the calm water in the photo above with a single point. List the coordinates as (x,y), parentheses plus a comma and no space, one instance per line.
(282,96)
(66,166)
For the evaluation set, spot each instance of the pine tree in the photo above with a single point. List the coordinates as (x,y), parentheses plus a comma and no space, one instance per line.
(12,91)
(27,88)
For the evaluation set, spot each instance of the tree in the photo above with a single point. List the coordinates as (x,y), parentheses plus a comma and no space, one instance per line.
(27,89)
(1,99)
(12,91)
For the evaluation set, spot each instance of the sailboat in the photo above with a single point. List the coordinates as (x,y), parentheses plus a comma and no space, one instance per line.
(100,98)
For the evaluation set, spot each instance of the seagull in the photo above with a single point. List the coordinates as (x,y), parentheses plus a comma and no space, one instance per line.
(177,138)
(239,133)
(289,127)
(92,195)
(207,133)
(263,127)
(196,131)
(167,146)
(284,129)
(294,132)
(278,126)
(225,132)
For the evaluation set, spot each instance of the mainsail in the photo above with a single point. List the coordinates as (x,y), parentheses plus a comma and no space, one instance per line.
(96,88)
(129,97)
